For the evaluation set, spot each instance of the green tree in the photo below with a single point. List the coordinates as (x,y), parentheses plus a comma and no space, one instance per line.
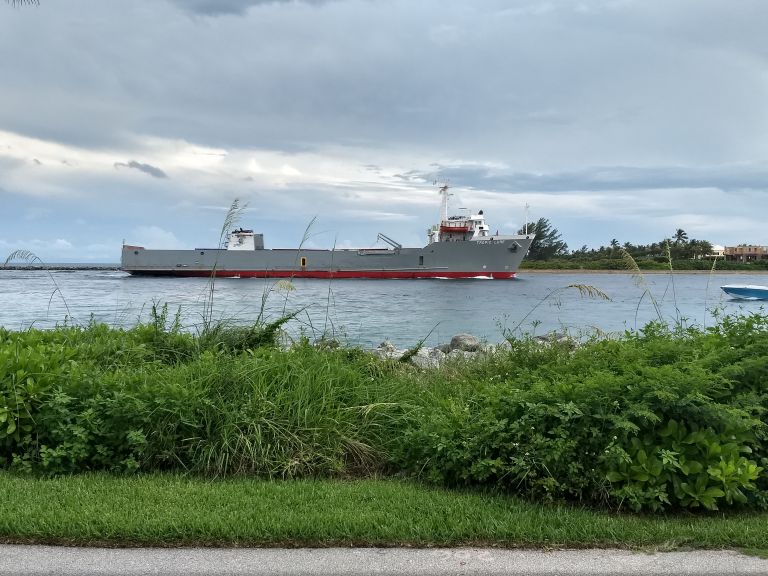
(680,236)
(698,248)
(547,243)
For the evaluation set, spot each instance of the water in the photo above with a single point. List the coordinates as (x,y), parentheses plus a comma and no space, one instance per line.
(365,312)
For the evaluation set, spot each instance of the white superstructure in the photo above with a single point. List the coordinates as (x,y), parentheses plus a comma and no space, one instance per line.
(242,239)
(457,228)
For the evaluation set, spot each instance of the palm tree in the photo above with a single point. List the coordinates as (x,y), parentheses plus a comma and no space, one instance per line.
(680,236)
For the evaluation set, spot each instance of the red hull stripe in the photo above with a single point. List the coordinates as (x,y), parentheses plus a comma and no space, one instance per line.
(325,274)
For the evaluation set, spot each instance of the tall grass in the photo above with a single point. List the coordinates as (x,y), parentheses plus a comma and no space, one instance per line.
(230,219)
(584,290)
(147,398)
(640,281)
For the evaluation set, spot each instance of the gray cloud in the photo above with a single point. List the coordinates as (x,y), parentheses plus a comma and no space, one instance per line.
(219,7)
(8,163)
(605,178)
(146,168)
(565,104)
(538,85)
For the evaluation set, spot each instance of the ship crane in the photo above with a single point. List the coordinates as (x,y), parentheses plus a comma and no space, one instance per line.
(388,240)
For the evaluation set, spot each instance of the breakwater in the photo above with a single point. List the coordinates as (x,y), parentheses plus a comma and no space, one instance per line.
(61,267)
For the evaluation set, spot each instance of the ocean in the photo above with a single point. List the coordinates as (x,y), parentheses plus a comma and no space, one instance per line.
(366,312)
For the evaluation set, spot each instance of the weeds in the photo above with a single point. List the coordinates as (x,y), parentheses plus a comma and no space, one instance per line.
(640,282)
(230,219)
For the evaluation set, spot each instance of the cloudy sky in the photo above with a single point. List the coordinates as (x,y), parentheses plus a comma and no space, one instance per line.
(142,121)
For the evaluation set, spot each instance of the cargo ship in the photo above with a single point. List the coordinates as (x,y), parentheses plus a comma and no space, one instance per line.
(458,247)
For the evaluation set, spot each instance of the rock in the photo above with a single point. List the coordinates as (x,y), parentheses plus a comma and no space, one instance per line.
(388,351)
(557,338)
(465,342)
(424,362)
(461,354)
(436,353)
(428,358)
(465,347)
(387,346)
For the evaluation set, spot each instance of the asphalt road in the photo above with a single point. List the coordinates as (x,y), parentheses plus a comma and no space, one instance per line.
(45,560)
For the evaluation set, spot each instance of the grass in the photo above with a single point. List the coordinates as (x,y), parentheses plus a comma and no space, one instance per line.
(174,510)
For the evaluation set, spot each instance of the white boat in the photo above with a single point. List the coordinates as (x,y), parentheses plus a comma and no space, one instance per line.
(746,291)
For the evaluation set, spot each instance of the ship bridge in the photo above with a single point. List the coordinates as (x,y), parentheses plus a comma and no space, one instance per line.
(457,228)
(242,239)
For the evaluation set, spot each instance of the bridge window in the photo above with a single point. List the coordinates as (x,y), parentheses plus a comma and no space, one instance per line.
(421,260)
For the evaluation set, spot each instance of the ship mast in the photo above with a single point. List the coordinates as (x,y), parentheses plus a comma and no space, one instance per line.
(444,209)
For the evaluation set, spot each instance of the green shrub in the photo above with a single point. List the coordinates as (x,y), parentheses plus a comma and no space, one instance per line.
(153,398)
(643,422)
(689,468)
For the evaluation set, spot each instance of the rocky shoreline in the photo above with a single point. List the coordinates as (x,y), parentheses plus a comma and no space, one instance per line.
(462,346)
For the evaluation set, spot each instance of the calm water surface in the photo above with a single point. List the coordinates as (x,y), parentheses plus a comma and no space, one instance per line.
(365,312)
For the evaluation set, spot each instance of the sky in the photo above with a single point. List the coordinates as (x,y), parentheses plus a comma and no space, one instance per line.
(332,119)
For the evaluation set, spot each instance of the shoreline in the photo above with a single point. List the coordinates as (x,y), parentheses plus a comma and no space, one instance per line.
(522,271)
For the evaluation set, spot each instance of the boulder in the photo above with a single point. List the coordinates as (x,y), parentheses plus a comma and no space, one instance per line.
(428,358)
(388,351)
(556,338)
(465,342)
(387,346)
(461,354)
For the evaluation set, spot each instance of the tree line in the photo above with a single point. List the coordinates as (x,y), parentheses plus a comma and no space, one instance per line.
(549,245)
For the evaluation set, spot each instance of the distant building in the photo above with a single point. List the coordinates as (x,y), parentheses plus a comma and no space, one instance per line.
(746,253)
(717,251)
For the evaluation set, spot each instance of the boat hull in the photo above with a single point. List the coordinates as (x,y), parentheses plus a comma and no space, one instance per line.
(746,292)
(493,258)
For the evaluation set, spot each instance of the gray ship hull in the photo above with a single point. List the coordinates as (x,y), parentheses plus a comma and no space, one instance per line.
(495,257)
